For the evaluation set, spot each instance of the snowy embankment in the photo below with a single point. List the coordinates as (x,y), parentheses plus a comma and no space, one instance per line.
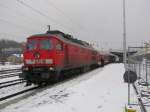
(101,90)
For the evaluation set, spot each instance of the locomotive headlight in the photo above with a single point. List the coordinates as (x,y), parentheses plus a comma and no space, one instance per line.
(25,68)
(49,61)
(51,68)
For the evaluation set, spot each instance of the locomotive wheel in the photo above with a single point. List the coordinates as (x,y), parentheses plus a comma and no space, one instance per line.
(57,77)
(102,63)
(40,84)
(61,77)
(85,69)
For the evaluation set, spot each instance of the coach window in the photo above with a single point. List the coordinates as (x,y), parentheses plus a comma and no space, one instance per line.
(45,44)
(59,47)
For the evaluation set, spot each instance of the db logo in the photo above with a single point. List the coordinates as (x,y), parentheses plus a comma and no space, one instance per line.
(36,55)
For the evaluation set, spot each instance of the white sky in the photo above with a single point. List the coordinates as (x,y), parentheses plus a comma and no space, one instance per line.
(96,21)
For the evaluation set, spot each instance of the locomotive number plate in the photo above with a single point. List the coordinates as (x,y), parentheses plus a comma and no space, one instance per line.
(37,61)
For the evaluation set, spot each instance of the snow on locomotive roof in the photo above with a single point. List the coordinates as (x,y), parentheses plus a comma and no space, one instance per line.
(64,37)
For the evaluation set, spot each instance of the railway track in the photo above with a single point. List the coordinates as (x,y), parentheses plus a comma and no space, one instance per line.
(33,88)
(11,83)
(42,87)
(9,73)
(142,106)
(18,93)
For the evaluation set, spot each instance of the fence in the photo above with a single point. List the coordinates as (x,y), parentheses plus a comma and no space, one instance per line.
(139,62)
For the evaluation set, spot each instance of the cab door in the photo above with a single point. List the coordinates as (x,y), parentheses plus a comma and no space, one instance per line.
(59,58)
(66,55)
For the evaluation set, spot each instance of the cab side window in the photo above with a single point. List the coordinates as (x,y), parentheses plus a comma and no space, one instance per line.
(59,47)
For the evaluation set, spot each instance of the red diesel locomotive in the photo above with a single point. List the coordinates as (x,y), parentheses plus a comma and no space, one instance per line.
(48,55)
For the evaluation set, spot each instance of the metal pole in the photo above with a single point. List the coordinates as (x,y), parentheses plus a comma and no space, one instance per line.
(124,36)
(49,27)
(146,45)
(128,79)
(124,47)
(139,70)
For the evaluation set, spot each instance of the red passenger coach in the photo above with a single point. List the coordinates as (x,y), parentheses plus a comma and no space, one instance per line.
(48,55)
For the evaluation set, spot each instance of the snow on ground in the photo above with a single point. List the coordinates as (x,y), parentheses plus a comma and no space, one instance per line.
(12,89)
(101,90)
(105,92)
(7,66)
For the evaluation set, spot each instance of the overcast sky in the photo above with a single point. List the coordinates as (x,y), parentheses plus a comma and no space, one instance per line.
(96,21)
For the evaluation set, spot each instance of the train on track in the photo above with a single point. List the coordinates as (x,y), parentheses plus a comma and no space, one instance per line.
(47,56)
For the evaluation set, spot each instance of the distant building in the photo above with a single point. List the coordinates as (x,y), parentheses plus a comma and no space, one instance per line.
(15,58)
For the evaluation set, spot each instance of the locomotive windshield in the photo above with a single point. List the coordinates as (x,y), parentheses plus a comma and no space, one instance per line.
(45,44)
(31,45)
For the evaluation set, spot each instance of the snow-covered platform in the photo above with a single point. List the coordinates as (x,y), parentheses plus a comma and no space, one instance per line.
(102,90)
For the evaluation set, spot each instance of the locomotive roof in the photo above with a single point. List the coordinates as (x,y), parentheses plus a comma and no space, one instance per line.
(64,37)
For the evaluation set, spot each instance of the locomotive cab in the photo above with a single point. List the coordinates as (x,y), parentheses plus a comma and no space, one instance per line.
(36,50)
